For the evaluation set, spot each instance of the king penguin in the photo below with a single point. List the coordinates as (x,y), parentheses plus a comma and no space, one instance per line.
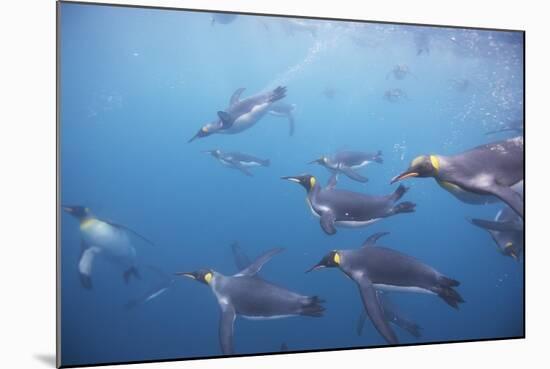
(375,268)
(103,238)
(238,160)
(478,175)
(242,114)
(506,230)
(349,209)
(346,162)
(248,295)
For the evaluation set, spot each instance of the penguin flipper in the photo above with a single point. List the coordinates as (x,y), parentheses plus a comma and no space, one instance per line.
(243,169)
(332,181)
(393,316)
(235,98)
(374,309)
(509,196)
(291,125)
(241,259)
(227,321)
(85,265)
(354,175)
(257,264)
(327,222)
(491,225)
(371,240)
(361,322)
(227,120)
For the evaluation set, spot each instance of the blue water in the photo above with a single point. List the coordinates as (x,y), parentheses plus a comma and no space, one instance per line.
(136,84)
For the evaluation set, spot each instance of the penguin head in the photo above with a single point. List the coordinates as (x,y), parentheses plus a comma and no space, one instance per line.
(307,181)
(421,166)
(206,130)
(510,250)
(77,211)
(323,160)
(330,260)
(202,275)
(215,153)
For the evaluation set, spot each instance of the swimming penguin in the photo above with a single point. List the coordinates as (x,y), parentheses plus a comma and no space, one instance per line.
(391,315)
(459,84)
(239,161)
(399,71)
(506,230)
(375,268)
(349,209)
(346,162)
(241,114)
(100,237)
(282,109)
(161,283)
(490,169)
(421,42)
(395,95)
(248,295)
(223,18)
(329,92)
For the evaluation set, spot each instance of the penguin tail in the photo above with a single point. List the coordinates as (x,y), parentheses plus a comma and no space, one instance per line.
(378,157)
(277,94)
(404,207)
(265,162)
(401,190)
(446,291)
(86,281)
(311,306)
(129,273)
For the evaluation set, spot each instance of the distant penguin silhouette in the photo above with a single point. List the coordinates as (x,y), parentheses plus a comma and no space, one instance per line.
(395,95)
(222,18)
(346,162)
(238,160)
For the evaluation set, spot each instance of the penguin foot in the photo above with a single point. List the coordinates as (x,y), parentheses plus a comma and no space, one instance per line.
(311,306)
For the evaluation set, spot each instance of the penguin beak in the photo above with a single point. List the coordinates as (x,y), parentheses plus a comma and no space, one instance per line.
(292,179)
(316,161)
(68,209)
(404,175)
(316,267)
(191,275)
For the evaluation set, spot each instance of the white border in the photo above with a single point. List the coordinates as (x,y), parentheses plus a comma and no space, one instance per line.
(27,148)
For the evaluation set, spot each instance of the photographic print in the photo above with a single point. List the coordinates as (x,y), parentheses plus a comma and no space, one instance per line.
(247,184)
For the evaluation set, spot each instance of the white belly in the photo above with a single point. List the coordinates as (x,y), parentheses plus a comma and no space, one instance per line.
(249,164)
(360,165)
(392,288)
(247,120)
(267,317)
(354,223)
(109,240)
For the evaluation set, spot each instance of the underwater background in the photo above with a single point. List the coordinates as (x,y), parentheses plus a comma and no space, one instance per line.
(137,84)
